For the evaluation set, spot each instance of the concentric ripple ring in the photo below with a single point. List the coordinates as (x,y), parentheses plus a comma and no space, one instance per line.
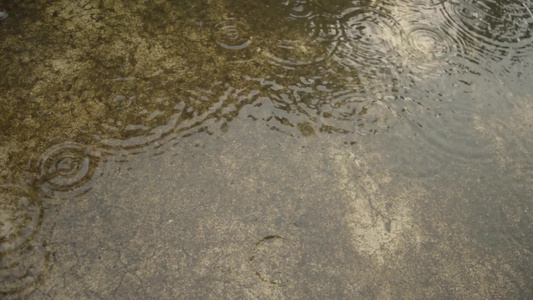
(496,29)
(371,37)
(68,168)
(232,35)
(20,218)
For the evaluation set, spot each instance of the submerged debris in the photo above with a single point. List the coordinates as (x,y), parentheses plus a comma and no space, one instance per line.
(3,14)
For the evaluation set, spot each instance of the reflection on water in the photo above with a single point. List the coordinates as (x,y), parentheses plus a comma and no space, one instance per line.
(302,68)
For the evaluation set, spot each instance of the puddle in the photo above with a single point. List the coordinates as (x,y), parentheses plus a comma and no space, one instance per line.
(266,149)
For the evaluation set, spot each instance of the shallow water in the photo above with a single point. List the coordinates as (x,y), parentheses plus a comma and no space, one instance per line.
(266,149)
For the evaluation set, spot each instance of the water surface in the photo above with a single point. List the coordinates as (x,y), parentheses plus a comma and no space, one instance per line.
(266,149)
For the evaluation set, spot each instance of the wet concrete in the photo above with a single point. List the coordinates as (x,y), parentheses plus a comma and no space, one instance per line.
(192,150)
(242,217)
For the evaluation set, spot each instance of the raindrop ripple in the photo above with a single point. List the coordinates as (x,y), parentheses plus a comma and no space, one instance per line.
(495,29)
(232,34)
(67,169)
(20,218)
